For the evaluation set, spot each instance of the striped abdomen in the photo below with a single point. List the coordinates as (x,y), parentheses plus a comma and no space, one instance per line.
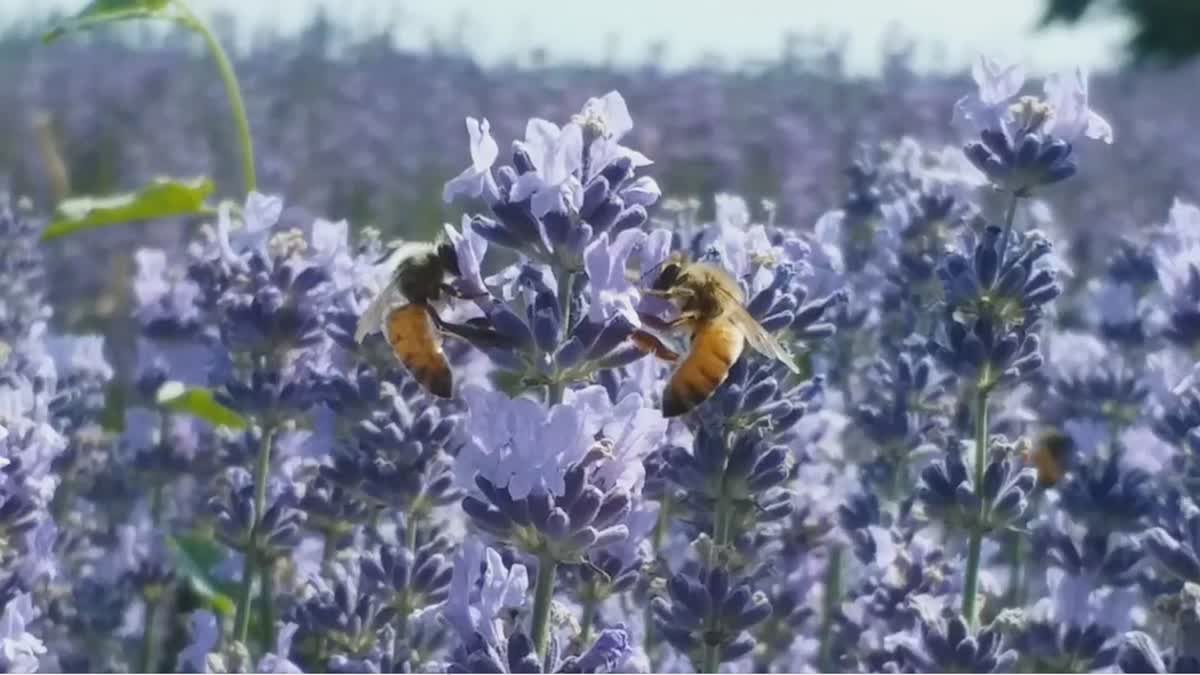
(418,345)
(716,345)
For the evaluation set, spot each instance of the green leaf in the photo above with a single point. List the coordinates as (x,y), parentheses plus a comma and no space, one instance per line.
(100,12)
(198,402)
(195,557)
(164,198)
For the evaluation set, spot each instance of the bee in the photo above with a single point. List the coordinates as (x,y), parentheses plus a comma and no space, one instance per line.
(712,307)
(404,311)
(1051,454)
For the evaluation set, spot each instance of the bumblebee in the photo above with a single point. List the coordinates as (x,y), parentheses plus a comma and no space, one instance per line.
(1051,455)
(712,308)
(404,311)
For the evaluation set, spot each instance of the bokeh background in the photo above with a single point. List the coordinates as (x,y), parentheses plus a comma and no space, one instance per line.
(356,106)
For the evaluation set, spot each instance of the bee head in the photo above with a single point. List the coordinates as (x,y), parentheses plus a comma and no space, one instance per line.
(668,276)
(448,257)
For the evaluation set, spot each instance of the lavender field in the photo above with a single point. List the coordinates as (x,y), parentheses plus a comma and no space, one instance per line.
(333,356)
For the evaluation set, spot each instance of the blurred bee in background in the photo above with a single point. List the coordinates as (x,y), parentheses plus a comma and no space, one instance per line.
(405,313)
(712,308)
(1051,454)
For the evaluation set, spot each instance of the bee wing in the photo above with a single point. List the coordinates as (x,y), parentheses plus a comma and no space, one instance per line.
(756,335)
(374,316)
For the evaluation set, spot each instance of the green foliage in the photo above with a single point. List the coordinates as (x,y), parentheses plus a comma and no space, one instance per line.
(1163,31)
(200,403)
(164,198)
(100,12)
(195,557)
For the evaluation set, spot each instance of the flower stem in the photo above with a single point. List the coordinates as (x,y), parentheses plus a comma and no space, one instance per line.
(405,600)
(585,620)
(149,656)
(232,90)
(721,527)
(153,596)
(1015,552)
(1010,214)
(656,540)
(266,601)
(543,596)
(975,544)
(566,283)
(263,467)
(829,607)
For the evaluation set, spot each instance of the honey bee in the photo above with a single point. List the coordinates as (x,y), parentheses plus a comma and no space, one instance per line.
(712,307)
(1050,454)
(404,311)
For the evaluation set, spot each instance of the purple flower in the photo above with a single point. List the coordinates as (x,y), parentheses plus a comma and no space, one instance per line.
(19,649)
(556,154)
(476,180)
(1067,95)
(469,249)
(260,214)
(612,292)
(500,588)
(607,120)
(518,444)
(205,635)
(998,83)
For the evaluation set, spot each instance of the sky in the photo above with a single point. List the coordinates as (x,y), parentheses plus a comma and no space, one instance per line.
(949,32)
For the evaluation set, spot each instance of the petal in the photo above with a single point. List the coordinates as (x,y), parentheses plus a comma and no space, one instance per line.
(548,198)
(261,211)
(655,250)
(527,184)
(617,120)
(540,136)
(566,155)
(998,82)
(1098,128)
(468,184)
(483,147)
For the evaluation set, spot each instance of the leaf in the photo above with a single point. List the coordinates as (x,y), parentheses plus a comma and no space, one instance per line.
(195,555)
(100,12)
(164,198)
(200,403)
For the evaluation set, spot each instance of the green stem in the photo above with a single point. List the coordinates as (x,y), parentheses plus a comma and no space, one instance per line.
(232,90)
(149,657)
(543,596)
(721,526)
(410,542)
(566,282)
(975,544)
(1015,592)
(589,608)
(242,618)
(656,540)
(266,600)
(1010,214)
(829,606)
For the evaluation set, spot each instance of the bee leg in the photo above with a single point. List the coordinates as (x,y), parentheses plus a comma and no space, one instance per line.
(684,319)
(473,333)
(453,292)
(650,344)
(668,293)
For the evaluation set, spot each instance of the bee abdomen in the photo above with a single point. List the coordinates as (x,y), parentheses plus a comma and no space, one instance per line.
(417,345)
(715,348)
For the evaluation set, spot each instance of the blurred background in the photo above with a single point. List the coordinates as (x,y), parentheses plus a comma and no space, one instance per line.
(357,106)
